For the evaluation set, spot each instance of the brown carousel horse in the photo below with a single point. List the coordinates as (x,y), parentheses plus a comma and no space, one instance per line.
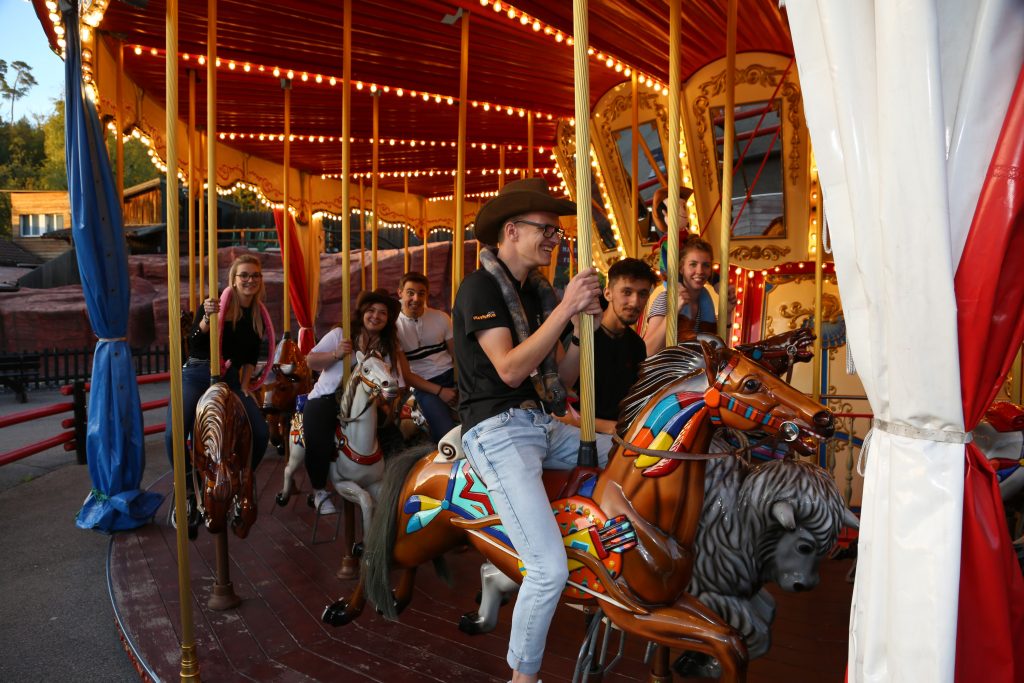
(292,378)
(222,453)
(629,531)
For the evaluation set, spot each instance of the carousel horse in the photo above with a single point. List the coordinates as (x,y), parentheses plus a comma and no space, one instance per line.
(292,377)
(629,530)
(222,454)
(779,353)
(358,465)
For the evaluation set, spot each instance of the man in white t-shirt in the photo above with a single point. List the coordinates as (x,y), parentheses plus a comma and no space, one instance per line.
(426,338)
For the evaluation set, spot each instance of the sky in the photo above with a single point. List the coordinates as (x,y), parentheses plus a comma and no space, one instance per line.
(22,39)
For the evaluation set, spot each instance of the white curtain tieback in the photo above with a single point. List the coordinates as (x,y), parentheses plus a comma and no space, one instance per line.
(112,339)
(897,429)
(940,435)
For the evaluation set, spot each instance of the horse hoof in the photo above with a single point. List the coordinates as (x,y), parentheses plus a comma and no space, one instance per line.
(471,624)
(281,499)
(280,449)
(337,614)
(309,501)
(357,550)
(697,665)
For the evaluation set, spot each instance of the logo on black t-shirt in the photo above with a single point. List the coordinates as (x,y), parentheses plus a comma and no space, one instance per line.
(486,316)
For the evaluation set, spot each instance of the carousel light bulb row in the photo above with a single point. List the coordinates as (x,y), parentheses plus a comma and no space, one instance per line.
(321,79)
(471,195)
(607,203)
(538,26)
(430,173)
(391,142)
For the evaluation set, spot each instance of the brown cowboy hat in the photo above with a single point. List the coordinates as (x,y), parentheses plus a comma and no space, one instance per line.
(515,198)
(380,295)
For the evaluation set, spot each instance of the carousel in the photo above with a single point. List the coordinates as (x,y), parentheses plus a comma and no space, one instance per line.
(851,428)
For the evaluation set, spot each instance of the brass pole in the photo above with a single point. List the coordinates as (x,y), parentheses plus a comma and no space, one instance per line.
(672,164)
(819,288)
(634,158)
(501,167)
(405,233)
(211,170)
(583,211)
(346,167)
(119,137)
(189,662)
(362,238)
(192,160)
(286,85)
(458,234)
(373,190)
(724,323)
(426,235)
(201,211)
(529,145)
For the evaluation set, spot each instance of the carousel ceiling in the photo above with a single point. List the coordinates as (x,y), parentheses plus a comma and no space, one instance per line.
(405,54)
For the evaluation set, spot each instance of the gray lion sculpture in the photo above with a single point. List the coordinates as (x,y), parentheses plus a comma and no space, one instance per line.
(771,522)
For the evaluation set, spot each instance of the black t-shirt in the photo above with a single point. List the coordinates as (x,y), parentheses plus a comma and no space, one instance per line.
(240,343)
(479,305)
(616,365)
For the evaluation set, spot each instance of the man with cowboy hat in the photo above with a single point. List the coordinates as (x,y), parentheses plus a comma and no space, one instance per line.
(513,370)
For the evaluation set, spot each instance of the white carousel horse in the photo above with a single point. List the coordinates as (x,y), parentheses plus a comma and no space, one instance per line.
(358,466)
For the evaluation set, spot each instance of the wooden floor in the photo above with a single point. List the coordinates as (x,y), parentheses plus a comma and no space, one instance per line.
(284,581)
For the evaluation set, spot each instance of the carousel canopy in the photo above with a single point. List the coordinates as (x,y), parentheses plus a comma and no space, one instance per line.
(408,54)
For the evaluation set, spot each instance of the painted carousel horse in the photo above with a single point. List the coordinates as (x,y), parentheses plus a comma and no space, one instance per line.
(292,378)
(630,530)
(779,353)
(358,466)
(221,457)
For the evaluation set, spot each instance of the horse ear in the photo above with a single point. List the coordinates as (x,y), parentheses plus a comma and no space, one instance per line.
(782,511)
(359,356)
(711,361)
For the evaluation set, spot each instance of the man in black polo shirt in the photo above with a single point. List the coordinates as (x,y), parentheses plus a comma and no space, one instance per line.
(507,330)
(616,344)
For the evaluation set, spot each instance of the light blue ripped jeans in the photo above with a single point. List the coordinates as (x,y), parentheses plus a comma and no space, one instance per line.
(509,451)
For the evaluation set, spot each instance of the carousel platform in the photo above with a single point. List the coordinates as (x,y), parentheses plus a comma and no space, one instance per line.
(284,581)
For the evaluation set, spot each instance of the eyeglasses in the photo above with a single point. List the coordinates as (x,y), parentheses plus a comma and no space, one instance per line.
(249,276)
(548,229)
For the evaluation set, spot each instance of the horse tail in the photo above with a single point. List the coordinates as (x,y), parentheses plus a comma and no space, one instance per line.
(380,543)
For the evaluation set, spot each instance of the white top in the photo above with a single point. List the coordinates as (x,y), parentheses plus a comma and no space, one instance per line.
(423,340)
(331,376)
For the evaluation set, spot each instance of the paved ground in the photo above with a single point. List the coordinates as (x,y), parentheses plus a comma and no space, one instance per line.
(56,622)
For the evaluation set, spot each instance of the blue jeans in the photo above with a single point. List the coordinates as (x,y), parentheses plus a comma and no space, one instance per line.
(195,380)
(509,452)
(436,412)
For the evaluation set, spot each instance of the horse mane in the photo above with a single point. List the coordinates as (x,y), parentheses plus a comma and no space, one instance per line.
(349,394)
(666,367)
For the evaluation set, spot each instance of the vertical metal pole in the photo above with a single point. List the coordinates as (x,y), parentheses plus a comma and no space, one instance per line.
(529,145)
(119,137)
(672,164)
(634,159)
(501,167)
(458,233)
(201,211)
(192,160)
(724,323)
(373,189)
(426,235)
(583,219)
(286,85)
(346,168)
(362,238)
(189,663)
(211,171)
(405,233)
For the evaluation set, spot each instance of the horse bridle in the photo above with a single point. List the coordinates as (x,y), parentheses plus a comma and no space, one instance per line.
(375,391)
(713,400)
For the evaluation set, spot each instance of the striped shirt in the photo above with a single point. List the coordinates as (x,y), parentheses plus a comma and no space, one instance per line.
(423,341)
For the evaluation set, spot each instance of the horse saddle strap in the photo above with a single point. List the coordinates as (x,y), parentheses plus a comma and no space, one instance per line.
(471,524)
(359,458)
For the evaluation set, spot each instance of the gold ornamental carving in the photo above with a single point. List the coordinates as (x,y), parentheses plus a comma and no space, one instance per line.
(797,313)
(757,253)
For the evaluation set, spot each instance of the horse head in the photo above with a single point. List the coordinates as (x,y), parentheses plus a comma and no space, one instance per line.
(781,352)
(746,395)
(289,360)
(375,374)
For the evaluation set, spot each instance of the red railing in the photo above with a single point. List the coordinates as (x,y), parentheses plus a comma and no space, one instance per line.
(74,439)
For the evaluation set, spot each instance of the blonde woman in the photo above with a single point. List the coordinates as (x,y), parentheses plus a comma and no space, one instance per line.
(244,322)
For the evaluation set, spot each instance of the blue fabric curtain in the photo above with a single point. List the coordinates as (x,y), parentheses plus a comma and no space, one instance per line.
(114,442)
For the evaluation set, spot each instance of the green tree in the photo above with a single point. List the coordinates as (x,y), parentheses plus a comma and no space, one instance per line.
(20,86)
(53,175)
